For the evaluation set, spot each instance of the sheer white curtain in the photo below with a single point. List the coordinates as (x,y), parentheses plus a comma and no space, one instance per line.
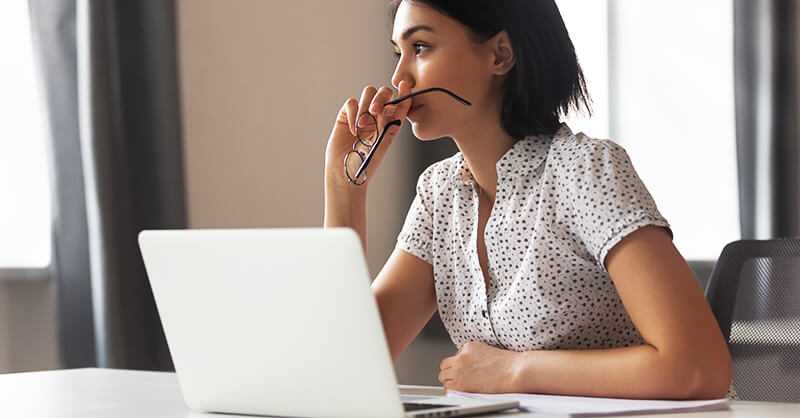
(587,23)
(24,189)
(661,75)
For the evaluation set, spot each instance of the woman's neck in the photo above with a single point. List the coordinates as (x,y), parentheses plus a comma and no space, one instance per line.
(482,145)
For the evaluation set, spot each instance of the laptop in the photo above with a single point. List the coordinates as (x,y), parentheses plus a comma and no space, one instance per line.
(280,322)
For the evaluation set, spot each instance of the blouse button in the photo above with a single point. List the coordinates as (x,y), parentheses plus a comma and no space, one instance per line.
(485,314)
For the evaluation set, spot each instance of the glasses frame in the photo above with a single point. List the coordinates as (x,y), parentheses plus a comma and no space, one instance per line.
(365,159)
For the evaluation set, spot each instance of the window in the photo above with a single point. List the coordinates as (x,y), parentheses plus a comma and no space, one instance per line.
(24,185)
(668,76)
(587,23)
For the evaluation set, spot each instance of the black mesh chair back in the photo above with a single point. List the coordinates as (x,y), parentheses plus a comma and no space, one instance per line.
(754,291)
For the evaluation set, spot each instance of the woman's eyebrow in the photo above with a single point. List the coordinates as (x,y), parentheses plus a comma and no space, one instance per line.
(410,31)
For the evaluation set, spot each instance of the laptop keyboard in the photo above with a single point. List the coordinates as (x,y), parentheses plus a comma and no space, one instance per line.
(410,406)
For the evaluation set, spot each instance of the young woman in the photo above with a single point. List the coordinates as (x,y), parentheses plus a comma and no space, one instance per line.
(544,254)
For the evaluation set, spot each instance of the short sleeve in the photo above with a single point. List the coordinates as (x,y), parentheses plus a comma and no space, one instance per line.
(609,199)
(416,236)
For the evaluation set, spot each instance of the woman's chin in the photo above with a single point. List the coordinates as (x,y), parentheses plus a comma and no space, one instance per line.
(423,134)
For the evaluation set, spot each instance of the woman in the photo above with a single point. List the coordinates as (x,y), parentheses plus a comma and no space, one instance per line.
(545,255)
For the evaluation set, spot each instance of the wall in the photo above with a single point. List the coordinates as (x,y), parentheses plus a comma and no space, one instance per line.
(262,82)
(28,328)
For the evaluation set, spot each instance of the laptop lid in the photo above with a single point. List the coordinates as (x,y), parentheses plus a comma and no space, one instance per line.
(272,321)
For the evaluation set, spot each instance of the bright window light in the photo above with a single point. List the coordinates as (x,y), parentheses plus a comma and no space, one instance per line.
(587,23)
(25,213)
(661,77)
(673,110)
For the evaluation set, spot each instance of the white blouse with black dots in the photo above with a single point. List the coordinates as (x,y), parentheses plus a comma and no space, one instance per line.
(563,201)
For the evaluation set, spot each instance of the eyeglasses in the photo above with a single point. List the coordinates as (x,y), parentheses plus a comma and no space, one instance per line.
(369,138)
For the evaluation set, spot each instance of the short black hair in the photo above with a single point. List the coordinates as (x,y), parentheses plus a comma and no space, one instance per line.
(546,80)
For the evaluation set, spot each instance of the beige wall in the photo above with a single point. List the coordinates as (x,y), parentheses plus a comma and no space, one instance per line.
(5,334)
(262,82)
(28,331)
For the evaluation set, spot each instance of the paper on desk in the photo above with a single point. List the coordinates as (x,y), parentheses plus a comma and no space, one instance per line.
(576,406)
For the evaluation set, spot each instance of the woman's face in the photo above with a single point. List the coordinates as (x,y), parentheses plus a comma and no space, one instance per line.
(436,51)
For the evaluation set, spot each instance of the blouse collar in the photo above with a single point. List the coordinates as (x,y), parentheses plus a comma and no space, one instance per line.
(523,157)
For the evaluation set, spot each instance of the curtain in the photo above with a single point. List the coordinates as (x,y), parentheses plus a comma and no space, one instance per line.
(53,34)
(121,159)
(767,102)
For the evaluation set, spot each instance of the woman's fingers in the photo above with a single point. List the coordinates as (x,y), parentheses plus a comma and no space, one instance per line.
(403,107)
(379,101)
(366,99)
(445,376)
(351,107)
(397,112)
(373,101)
(376,108)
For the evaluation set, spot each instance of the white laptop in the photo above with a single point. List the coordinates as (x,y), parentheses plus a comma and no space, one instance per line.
(279,322)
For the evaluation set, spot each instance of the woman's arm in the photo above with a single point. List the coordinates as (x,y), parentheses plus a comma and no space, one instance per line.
(685,355)
(406,298)
(346,207)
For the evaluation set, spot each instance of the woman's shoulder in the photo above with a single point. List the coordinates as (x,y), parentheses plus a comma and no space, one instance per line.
(441,173)
(586,166)
(579,156)
(581,148)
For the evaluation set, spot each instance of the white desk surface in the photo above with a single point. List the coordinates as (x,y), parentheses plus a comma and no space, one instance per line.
(94,393)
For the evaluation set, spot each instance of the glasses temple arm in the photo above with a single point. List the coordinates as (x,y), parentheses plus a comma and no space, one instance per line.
(374,148)
(408,96)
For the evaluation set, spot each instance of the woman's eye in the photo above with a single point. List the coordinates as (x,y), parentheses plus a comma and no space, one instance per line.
(418,48)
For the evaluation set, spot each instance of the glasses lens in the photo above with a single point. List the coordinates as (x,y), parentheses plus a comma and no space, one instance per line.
(352,161)
(367,129)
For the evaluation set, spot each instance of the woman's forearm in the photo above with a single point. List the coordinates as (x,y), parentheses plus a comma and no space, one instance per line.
(346,206)
(640,372)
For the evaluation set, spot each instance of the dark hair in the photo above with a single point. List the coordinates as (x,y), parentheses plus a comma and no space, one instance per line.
(546,80)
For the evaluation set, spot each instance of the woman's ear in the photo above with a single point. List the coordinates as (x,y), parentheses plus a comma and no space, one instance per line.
(502,53)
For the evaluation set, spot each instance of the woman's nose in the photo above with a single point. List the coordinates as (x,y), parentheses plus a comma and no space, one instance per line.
(396,82)
(399,75)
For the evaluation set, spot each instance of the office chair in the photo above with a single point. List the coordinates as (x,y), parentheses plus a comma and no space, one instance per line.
(754,292)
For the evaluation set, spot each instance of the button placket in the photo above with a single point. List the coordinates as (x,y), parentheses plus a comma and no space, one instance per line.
(486,294)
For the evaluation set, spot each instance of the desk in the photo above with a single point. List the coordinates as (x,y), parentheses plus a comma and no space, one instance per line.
(94,393)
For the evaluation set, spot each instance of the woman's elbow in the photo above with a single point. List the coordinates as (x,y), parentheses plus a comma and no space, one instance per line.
(692,374)
(710,379)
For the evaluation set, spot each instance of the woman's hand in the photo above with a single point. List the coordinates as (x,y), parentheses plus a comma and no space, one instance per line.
(479,368)
(343,133)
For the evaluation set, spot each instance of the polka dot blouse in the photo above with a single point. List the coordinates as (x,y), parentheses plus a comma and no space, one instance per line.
(563,201)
